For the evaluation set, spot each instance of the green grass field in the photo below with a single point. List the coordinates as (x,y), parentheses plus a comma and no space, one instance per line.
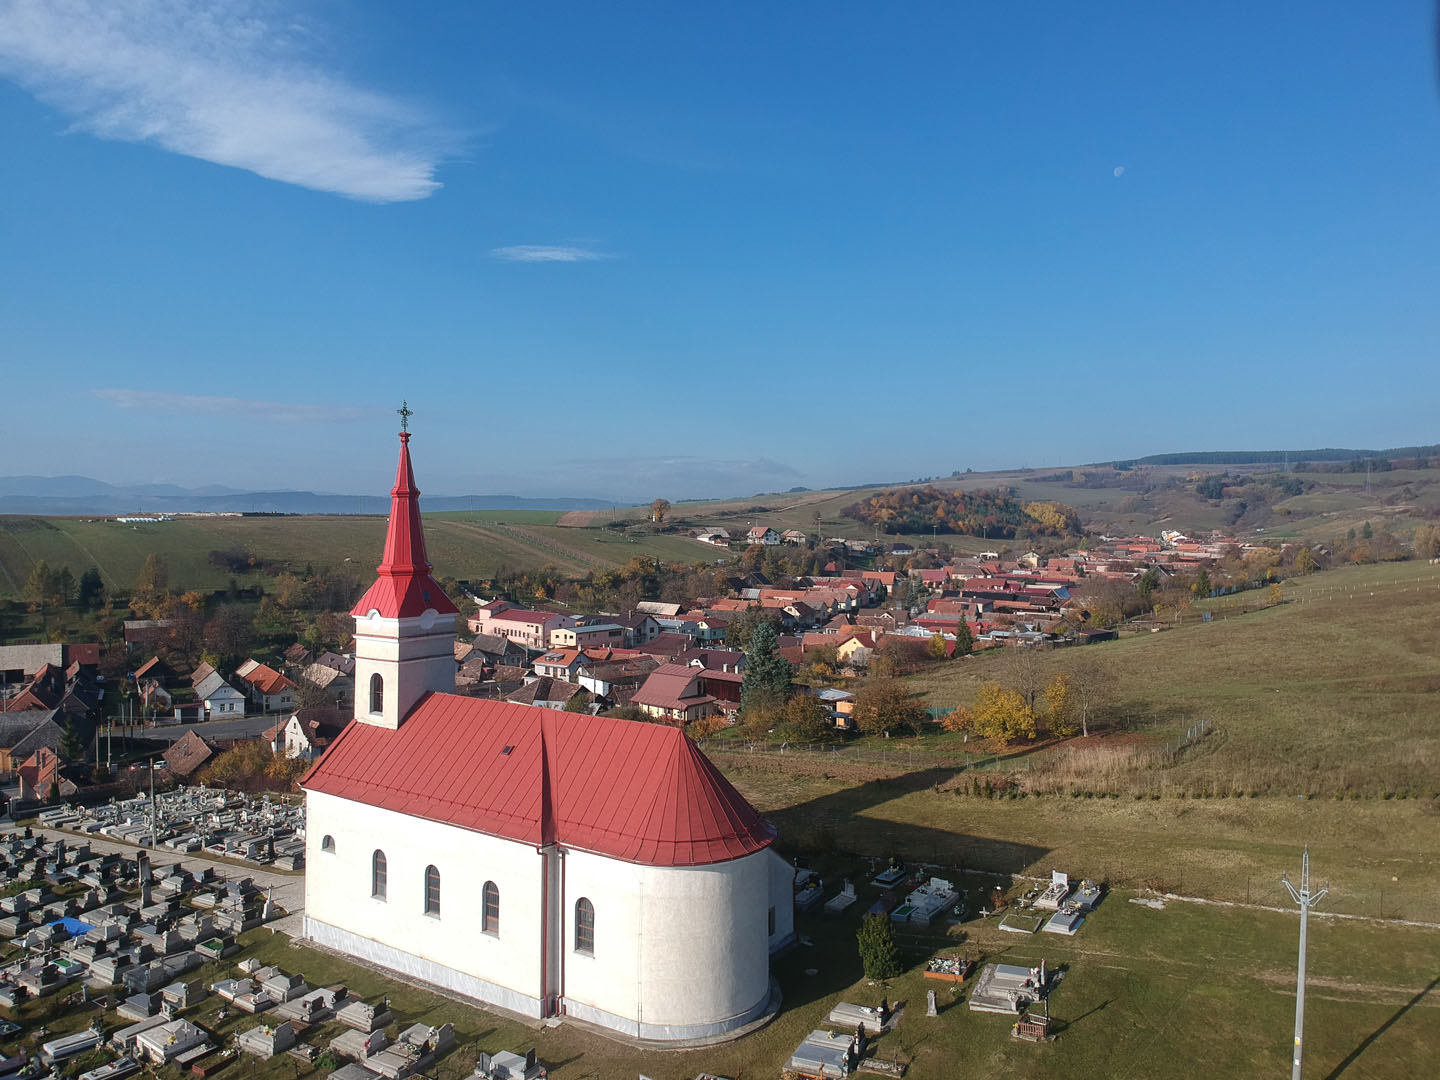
(464,545)
(1190,991)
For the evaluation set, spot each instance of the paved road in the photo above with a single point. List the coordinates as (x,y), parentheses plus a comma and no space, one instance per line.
(287,890)
(210,729)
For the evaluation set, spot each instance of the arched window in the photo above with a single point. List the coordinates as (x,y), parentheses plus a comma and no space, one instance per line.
(490,921)
(432,891)
(584,926)
(378,875)
(377,693)
(328,844)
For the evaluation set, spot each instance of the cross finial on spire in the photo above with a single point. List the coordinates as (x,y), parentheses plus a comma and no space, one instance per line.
(405,413)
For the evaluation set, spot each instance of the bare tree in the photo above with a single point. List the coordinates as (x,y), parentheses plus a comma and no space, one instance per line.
(1092,688)
(1024,671)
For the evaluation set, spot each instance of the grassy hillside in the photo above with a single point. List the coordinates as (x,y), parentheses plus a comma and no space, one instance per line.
(463,545)
(1324,732)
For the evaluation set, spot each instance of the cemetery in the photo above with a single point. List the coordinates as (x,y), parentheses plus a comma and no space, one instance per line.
(259,829)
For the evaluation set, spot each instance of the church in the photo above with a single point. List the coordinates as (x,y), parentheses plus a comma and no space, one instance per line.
(553,864)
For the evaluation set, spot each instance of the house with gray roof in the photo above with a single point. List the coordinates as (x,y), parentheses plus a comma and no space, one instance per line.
(220,698)
(24,732)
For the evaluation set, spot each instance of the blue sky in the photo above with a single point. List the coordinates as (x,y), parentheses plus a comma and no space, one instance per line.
(629,250)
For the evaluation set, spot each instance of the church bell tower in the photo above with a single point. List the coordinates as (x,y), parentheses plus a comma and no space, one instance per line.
(404,624)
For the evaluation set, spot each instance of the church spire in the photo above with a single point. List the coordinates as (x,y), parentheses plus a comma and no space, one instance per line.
(405,539)
(405,588)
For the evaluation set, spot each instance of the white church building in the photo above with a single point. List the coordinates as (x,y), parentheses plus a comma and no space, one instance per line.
(550,863)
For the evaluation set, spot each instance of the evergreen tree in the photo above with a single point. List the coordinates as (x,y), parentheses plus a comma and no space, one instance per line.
(878,952)
(92,589)
(71,746)
(64,587)
(964,640)
(767,673)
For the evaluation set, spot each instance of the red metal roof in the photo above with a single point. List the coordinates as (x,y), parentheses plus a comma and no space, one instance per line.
(405,588)
(634,791)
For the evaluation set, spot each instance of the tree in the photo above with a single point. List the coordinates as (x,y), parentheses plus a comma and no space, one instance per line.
(1426,542)
(1148,583)
(1202,586)
(63,587)
(878,952)
(92,589)
(1024,671)
(958,720)
(884,706)
(152,585)
(72,747)
(228,634)
(658,509)
(767,673)
(1274,594)
(1092,688)
(744,625)
(1367,532)
(1304,561)
(964,640)
(936,647)
(1060,706)
(1002,713)
(40,583)
(806,719)
(579,703)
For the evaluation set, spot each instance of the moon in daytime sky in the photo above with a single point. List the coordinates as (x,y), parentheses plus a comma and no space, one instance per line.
(1119,171)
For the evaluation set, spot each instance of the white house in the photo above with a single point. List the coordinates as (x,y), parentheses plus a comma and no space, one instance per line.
(550,863)
(221,700)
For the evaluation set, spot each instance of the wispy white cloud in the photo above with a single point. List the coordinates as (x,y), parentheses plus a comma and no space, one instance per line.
(232,82)
(543,253)
(285,412)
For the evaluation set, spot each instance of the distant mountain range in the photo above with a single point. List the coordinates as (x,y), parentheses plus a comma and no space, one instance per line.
(84,495)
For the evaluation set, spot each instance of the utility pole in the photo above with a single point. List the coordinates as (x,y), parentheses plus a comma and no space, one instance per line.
(1306,900)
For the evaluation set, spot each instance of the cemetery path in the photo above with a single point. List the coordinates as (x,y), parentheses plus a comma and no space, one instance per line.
(287,890)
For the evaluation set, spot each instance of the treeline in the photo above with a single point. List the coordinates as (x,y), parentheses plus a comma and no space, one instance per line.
(1267,457)
(993,515)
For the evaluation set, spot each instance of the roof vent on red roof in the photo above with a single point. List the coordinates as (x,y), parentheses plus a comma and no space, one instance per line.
(405,588)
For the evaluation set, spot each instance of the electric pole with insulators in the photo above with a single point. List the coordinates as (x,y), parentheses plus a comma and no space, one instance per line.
(1306,899)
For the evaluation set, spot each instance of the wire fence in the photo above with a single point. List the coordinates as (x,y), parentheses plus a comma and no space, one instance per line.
(915,759)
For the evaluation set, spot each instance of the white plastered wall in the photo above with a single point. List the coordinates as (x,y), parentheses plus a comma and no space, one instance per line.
(680,952)
(452,950)
(410,655)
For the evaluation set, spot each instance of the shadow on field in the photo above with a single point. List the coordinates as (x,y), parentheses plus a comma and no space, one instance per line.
(837,821)
(1370,1039)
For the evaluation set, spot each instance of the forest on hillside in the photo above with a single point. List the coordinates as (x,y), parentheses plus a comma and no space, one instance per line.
(991,514)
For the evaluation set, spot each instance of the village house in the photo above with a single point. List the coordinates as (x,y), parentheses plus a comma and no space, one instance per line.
(39,777)
(496,650)
(761,534)
(672,692)
(713,537)
(615,680)
(588,636)
(545,693)
(307,732)
(187,755)
(792,536)
(22,733)
(333,683)
(639,627)
(221,700)
(267,688)
(530,629)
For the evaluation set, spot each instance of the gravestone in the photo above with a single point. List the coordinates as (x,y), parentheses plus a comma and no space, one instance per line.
(930,1007)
